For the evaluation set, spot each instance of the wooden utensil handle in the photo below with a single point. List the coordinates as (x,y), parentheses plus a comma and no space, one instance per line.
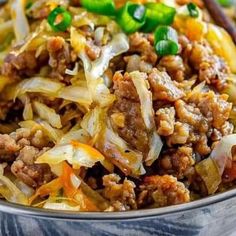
(220,17)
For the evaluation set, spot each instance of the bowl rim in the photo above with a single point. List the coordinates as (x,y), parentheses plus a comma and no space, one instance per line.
(16,209)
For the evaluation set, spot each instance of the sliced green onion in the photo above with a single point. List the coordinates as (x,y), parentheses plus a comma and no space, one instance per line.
(165,33)
(28,5)
(137,11)
(65,19)
(166,47)
(131,17)
(225,3)
(103,7)
(166,41)
(158,14)
(192,9)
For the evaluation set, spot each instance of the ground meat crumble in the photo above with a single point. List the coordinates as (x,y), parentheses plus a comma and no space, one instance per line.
(121,195)
(20,149)
(162,191)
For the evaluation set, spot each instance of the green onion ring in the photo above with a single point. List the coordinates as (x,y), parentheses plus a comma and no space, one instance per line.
(65,22)
(103,7)
(131,17)
(166,41)
(158,14)
(192,9)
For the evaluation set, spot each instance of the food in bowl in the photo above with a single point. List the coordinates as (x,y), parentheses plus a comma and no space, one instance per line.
(114,105)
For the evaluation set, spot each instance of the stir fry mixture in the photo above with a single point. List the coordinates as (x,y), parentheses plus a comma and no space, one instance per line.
(115,105)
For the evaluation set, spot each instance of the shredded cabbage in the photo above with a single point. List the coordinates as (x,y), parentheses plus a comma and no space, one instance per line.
(51,88)
(76,153)
(155,144)
(63,206)
(77,40)
(79,135)
(74,71)
(115,149)
(212,168)
(223,151)
(82,18)
(9,190)
(28,111)
(21,25)
(35,85)
(28,191)
(145,96)
(48,114)
(95,69)
(92,121)
(53,134)
(34,40)
(101,94)
(77,94)
(93,196)
(38,5)
(98,35)
(119,153)
(209,172)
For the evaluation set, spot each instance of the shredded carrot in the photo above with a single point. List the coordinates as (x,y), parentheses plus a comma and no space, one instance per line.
(52,188)
(47,189)
(69,189)
(88,149)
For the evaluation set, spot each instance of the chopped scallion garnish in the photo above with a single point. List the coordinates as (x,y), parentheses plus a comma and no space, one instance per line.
(192,9)
(158,14)
(166,41)
(103,7)
(131,17)
(59,19)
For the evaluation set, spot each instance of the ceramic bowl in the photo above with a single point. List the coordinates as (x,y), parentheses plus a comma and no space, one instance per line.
(215,215)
